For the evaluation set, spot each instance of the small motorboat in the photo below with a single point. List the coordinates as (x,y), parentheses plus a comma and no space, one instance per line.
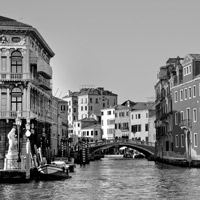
(138,155)
(53,171)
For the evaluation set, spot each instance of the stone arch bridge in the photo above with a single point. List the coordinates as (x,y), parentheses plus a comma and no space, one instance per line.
(147,148)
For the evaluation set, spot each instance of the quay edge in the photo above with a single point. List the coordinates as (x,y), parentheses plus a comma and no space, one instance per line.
(178,162)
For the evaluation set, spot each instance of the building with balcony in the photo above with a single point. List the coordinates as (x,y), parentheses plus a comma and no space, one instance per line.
(177,113)
(122,121)
(163,104)
(142,116)
(25,81)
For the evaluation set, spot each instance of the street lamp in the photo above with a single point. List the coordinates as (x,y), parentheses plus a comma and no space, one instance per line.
(18,123)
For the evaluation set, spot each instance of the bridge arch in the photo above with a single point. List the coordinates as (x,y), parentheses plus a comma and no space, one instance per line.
(146,150)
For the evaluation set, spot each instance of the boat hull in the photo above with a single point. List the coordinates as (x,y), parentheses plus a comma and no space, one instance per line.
(50,172)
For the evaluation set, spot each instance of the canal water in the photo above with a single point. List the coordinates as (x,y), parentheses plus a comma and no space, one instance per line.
(113,180)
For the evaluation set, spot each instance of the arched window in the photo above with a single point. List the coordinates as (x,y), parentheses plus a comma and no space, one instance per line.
(16,62)
(16,99)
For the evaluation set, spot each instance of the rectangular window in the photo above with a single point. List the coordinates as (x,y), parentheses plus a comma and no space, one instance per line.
(194,114)
(195,140)
(85,107)
(185,91)
(181,115)
(184,71)
(176,118)
(110,121)
(139,128)
(3,63)
(188,113)
(176,140)
(146,127)
(194,90)
(63,108)
(81,108)
(190,69)
(199,89)
(182,140)
(109,112)
(91,133)
(96,133)
(138,116)
(190,92)
(181,95)
(176,96)
(90,100)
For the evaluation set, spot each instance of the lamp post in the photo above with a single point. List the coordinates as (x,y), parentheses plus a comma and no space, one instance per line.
(18,123)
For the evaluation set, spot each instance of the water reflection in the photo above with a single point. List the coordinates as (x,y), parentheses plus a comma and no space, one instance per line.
(113,180)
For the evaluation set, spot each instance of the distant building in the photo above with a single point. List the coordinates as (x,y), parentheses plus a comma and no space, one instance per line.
(72,100)
(122,121)
(84,128)
(140,122)
(108,122)
(93,100)
(54,129)
(59,124)
(92,133)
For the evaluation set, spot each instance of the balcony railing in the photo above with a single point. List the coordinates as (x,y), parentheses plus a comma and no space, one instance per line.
(41,81)
(39,114)
(46,83)
(185,123)
(14,76)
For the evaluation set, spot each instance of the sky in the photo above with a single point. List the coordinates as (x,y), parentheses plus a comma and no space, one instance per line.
(116,44)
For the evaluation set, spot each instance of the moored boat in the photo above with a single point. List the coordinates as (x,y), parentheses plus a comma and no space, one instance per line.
(52,172)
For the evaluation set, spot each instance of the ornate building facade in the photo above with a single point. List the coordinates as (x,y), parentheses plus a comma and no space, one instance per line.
(25,82)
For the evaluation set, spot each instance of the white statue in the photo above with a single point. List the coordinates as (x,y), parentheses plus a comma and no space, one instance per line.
(12,141)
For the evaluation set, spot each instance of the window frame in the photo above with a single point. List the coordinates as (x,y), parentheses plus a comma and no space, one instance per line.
(195,140)
(181,95)
(176,141)
(182,140)
(175,96)
(194,91)
(194,115)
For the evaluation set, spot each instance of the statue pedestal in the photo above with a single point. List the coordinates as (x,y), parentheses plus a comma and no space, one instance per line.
(10,161)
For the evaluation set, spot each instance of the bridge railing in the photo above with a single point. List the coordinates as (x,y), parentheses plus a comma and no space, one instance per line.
(121,140)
